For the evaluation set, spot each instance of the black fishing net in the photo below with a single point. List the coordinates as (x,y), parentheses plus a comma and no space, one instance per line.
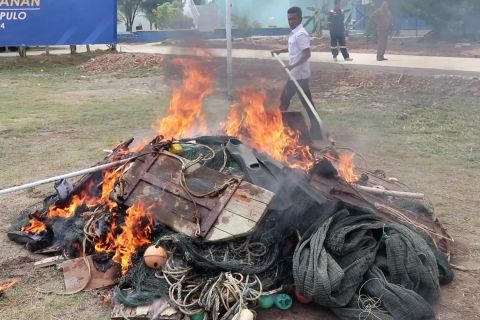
(140,286)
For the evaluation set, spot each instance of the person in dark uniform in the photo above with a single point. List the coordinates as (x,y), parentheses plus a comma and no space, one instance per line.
(336,23)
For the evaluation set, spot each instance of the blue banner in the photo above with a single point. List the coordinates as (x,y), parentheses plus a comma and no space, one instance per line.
(57,22)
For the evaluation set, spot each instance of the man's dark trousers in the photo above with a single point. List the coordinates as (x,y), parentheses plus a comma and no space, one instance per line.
(287,95)
(338,38)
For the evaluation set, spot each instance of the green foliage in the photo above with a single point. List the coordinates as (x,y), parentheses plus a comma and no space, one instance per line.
(127,10)
(148,6)
(318,20)
(447,17)
(244,25)
(170,16)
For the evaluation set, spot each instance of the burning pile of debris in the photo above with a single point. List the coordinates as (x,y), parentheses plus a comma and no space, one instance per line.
(212,227)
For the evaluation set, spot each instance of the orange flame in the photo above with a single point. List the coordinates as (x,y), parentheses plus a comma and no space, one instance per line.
(109,181)
(109,243)
(34,226)
(6,286)
(76,202)
(264,130)
(185,115)
(346,168)
(108,184)
(135,233)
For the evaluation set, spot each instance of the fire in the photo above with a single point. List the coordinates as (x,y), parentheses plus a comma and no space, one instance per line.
(84,198)
(6,286)
(346,167)
(34,226)
(263,129)
(135,234)
(76,202)
(185,115)
(109,180)
(108,244)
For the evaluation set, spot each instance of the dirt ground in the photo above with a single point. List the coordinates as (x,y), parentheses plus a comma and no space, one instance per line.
(409,46)
(58,113)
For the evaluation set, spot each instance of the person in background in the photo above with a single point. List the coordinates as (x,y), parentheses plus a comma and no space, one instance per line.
(382,17)
(299,65)
(336,24)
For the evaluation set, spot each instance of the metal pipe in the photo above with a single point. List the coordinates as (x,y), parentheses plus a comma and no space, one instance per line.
(228,29)
(309,103)
(65,176)
(399,194)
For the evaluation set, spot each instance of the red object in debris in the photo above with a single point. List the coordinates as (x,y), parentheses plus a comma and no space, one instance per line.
(288,248)
(300,298)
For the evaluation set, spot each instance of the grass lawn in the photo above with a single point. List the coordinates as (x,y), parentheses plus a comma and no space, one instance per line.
(56,118)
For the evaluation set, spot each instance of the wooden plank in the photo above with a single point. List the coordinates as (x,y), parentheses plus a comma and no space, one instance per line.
(230,225)
(254,192)
(76,273)
(218,235)
(47,262)
(247,208)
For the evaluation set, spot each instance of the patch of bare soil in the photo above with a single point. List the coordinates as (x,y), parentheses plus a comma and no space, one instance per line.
(119,62)
(327,79)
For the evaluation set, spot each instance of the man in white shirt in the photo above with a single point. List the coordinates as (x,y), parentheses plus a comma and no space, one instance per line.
(299,53)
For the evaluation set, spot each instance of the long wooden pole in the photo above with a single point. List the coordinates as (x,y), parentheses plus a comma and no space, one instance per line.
(309,103)
(65,176)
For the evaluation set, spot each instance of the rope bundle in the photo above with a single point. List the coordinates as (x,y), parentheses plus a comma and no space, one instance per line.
(226,293)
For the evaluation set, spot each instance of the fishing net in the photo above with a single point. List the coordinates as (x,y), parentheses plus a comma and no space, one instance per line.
(364,268)
(342,257)
(140,286)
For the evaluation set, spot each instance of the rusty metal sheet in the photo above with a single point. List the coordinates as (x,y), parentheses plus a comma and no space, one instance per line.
(156,180)
(76,275)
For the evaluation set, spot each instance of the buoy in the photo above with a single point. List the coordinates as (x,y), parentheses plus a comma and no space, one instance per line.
(155,257)
(198,316)
(300,298)
(266,302)
(176,148)
(283,301)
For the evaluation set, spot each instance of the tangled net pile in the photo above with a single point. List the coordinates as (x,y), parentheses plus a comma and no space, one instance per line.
(339,256)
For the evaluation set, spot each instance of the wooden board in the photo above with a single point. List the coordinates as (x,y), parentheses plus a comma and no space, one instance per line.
(231,212)
(240,217)
(76,273)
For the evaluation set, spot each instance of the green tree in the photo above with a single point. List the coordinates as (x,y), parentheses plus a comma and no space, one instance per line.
(128,10)
(170,16)
(446,17)
(148,7)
